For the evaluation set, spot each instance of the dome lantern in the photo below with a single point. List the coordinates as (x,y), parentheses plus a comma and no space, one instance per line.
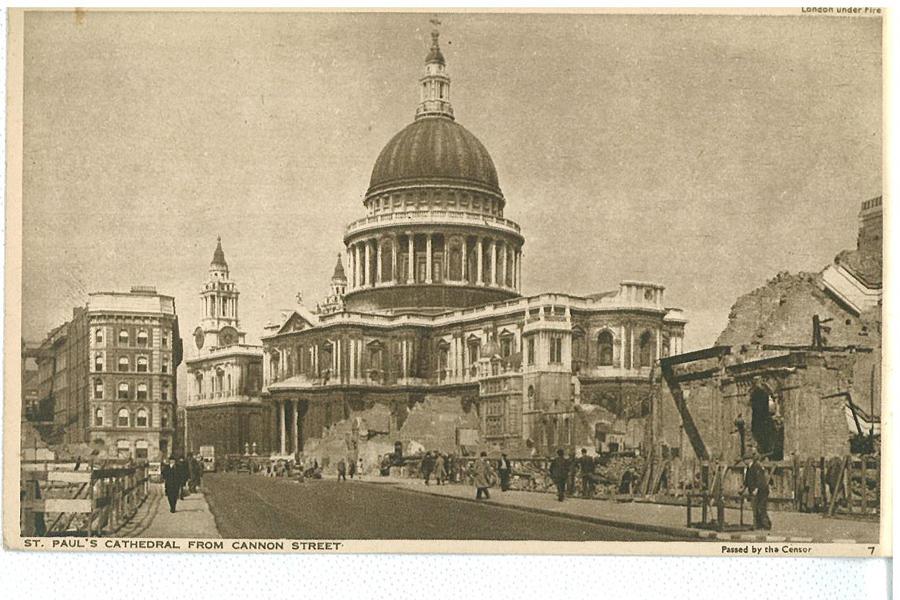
(434,87)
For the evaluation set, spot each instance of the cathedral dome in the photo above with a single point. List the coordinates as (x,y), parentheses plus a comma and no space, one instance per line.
(434,150)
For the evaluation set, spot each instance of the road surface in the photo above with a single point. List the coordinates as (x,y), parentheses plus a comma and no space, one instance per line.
(253,506)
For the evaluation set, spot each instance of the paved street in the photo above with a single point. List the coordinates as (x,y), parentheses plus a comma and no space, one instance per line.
(260,507)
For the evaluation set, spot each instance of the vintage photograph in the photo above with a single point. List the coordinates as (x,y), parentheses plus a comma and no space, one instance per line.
(291,280)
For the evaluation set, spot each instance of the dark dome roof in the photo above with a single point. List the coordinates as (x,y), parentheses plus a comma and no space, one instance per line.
(434,148)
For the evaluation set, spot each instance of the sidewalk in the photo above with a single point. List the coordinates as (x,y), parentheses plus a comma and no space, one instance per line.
(191,519)
(664,518)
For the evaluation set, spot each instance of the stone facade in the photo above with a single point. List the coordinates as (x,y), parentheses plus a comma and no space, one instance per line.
(110,375)
(223,408)
(432,334)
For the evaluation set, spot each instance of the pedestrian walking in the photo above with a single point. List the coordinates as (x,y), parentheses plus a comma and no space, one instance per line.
(560,469)
(481,477)
(756,482)
(427,466)
(586,465)
(573,468)
(439,473)
(352,468)
(181,467)
(172,481)
(342,470)
(504,471)
(197,475)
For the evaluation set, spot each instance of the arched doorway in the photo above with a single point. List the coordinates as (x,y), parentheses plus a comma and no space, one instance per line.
(765,425)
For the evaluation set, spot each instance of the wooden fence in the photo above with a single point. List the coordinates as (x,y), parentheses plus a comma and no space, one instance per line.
(71,499)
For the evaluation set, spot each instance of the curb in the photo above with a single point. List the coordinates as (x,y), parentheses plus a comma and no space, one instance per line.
(682,532)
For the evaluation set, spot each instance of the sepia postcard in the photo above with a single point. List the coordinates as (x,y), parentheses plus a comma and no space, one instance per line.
(584,282)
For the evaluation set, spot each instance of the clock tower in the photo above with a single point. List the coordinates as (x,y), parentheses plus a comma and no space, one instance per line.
(219,326)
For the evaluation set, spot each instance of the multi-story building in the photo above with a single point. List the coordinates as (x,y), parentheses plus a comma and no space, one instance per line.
(108,375)
(223,408)
(433,316)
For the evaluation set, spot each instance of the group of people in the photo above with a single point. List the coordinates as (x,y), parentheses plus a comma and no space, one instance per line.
(352,467)
(181,476)
(564,471)
(438,465)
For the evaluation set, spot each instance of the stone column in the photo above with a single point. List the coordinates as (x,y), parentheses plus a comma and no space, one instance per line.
(295,426)
(359,265)
(394,248)
(283,439)
(479,256)
(519,276)
(411,258)
(501,264)
(465,259)
(369,275)
(428,257)
(492,248)
(404,357)
(378,274)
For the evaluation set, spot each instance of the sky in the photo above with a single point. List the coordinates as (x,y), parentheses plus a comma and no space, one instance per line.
(704,153)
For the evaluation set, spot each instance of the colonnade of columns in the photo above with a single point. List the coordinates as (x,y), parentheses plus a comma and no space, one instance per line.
(497,262)
(287,431)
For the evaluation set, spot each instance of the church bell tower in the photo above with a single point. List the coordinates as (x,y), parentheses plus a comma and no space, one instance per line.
(219,326)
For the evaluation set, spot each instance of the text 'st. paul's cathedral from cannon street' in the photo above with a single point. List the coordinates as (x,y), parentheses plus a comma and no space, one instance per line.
(426,339)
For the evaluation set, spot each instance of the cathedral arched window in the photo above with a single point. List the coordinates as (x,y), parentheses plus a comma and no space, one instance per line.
(98,362)
(123,363)
(123,391)
(142,417)
(123,419)
(142,364)
(142,391)
(646,349)
(605,348)
(98,417)
(98,335)
(98,389)
(142,337)
(164,392)
(123,337)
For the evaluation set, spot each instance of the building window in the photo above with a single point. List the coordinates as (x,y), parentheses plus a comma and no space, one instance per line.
(531,351)
(98,335)
(142,364)
(123,449)
(123,363)
(164,418)
(141,449)
(605,348)
(98,417)
(506,344)
(142,391)
(98,363)
(98,390)
(123,337)
(142,417)
(164,393)
(165,340)
(123,391)
(122,420)
(142,337)
(165,365)
(646,349)
(556,350)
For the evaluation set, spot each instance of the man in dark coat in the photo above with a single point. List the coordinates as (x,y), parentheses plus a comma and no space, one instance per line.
(505,471)
(586,465)
(342,470)
(181,467)
(172,481)
(756,482)
(559,473)
(427,466)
